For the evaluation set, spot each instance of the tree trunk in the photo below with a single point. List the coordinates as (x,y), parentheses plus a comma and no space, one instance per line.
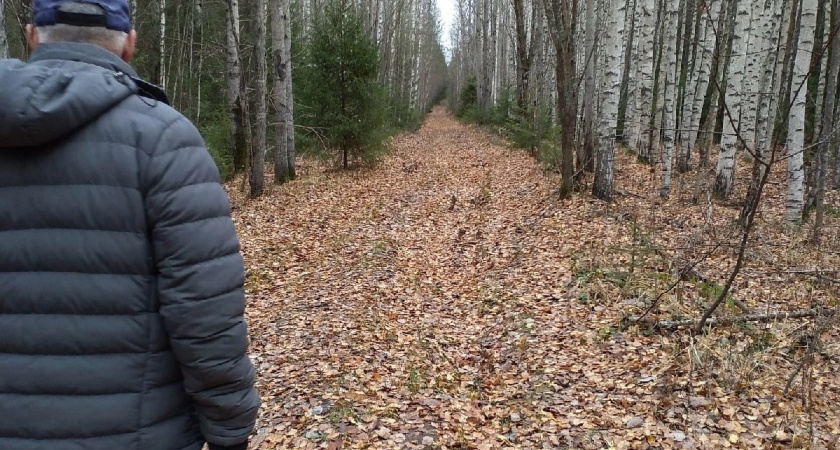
(289,111)
(645,77)
(162,43)
(670,97)
(816,81)
(4,42)
(257,177)
(767,111)
(828,125)
(280,97)
(716,89)
(591,61)
(705,54)
(610,96)
(689,75)
(796,118)
(632,58)
(523,66)
(658,86)
(485,62)
(234,85)
(562,18)
(729,140)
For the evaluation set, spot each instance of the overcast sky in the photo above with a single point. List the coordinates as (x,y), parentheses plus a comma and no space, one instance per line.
(447,15)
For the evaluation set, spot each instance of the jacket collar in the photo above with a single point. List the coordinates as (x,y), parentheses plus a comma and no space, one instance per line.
(97,56)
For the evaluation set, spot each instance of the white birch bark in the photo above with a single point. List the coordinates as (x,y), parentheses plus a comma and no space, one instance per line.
(729,144)
(694,71)
(771,23)
(591,61)
(631,121)
(645,76)
(162,44)
(629,69)
(670,74)
(796,119)
(659,86)
(610,93)
(820,94)
(752,75)
(705,53)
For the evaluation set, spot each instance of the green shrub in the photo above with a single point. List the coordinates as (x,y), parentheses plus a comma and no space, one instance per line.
(339,93)
(215,129)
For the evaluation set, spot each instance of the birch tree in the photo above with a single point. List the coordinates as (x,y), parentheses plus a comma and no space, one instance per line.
(698,89)
(162,43)
(796,118)
(768,105)
(610,94)
(669,70)
(647,11)
(591,61)
(693,70)
(729,141)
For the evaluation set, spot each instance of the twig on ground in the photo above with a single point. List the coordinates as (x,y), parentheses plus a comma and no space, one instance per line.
(761,318)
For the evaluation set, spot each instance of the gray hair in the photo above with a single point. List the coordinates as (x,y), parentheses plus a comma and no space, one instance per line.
(111,40)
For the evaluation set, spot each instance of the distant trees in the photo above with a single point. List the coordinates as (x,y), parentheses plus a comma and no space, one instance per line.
(669,79)
(233,68)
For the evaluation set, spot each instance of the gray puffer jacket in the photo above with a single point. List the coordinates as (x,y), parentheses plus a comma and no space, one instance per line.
(121,299)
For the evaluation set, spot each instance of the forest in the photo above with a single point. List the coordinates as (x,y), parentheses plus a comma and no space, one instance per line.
(555,224)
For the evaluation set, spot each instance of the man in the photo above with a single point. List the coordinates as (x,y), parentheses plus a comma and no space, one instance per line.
(121,300)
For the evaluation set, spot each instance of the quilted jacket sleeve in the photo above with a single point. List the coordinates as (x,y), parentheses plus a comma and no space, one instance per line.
(200,283)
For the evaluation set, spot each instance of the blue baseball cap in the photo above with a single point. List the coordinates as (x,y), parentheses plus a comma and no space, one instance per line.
(116,16)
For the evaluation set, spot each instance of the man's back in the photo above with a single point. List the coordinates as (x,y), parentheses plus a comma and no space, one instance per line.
(121,295)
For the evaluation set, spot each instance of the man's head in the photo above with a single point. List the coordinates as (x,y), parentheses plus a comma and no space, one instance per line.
(104,23)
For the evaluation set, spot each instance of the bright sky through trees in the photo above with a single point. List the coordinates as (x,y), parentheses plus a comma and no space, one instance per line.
(447,16)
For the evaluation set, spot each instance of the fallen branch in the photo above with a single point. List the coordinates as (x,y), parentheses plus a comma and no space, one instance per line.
(760,318)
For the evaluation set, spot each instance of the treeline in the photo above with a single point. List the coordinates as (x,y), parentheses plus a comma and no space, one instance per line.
(670,79)
(264,79)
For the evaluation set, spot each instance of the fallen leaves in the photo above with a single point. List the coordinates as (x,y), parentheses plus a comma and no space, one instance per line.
(446,299)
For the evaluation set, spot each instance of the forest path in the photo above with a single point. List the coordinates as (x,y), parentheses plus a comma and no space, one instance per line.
(431,302)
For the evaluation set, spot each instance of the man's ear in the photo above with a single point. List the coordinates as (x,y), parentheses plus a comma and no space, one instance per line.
(31,36)
(128,50)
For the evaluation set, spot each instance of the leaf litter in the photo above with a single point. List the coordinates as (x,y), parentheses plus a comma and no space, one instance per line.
(447,299)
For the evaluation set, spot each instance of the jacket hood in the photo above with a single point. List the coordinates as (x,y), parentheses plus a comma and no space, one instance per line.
(40,103)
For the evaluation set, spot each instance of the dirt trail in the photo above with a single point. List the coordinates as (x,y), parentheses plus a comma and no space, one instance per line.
(432,302)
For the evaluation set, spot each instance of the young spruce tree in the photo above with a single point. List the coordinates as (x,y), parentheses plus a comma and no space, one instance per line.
(340,84)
